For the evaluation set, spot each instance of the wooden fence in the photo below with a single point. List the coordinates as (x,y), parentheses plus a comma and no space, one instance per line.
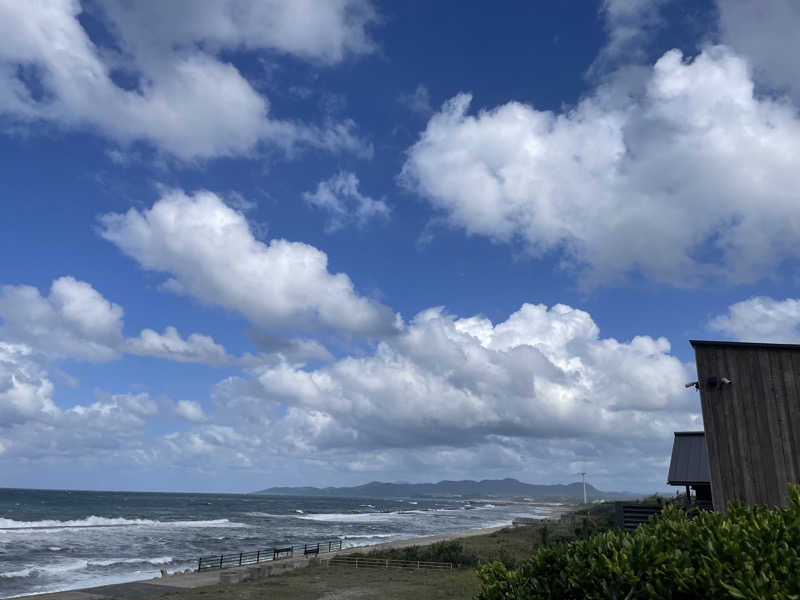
(238,559)
(362,562)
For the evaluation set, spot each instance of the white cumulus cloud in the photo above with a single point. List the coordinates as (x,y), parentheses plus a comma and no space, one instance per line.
(196,348)
(540,394)
(761,319)
(25,390)
(340,198)
(73,321)
(680,172)
(540,391)
(191,411)
(209,250)
(766,32)
(181,95)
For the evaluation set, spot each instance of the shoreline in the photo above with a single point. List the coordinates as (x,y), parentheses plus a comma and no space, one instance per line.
(180,580)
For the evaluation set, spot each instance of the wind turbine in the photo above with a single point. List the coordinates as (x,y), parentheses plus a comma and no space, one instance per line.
(583,478)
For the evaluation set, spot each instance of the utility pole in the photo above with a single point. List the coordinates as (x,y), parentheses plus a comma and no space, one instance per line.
(583,478)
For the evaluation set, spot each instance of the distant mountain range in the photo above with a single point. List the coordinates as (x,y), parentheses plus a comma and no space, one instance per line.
(487,488)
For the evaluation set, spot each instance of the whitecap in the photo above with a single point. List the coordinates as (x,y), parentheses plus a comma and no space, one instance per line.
(159,560)
(94,521)
(350,517)
(34,571)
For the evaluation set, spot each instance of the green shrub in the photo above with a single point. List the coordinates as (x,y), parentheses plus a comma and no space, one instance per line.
(750,552)
(451,552)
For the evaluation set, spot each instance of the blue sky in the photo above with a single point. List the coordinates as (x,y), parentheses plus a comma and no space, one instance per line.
(319,243)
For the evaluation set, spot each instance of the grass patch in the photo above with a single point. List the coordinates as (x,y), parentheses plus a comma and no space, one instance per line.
(448,552)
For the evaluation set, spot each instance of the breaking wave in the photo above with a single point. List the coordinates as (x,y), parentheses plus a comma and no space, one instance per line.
(159,560)
(350,517)
(80,564)
(93,521)
(46,570)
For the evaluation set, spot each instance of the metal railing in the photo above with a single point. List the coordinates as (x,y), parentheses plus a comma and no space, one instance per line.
(362,562)
(239,559)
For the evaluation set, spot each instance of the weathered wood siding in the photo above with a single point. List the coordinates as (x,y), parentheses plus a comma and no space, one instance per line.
(753,425)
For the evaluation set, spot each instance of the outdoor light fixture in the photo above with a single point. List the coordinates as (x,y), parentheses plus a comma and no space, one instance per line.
(715,382)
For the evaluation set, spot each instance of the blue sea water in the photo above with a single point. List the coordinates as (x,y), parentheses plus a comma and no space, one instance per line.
(59,540)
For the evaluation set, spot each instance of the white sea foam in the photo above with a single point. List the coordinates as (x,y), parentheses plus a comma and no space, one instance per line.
(159,560)
(93,521)
(351,517)
(46,570)
(77,565)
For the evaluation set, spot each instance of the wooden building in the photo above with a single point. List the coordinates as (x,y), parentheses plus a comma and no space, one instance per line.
(688,467)
(750,396)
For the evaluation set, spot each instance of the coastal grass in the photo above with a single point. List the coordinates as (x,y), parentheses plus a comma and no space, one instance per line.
(511,546)
(345,583)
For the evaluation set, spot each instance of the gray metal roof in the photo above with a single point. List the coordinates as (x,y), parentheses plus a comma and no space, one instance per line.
(689,464)
(696,343)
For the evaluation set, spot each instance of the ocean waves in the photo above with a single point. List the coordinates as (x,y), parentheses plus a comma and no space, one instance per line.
(37,571)
(52,541)
(82,564)
(94,521)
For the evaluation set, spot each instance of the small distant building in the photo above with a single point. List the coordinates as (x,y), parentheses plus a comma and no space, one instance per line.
(750,396)
(689,466)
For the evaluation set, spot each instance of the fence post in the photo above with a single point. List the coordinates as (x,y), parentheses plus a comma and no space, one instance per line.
(387,563)
(329,546)
(417,565)
(199,563)
(356,563)
(220,560)
(258,556)
(240,559)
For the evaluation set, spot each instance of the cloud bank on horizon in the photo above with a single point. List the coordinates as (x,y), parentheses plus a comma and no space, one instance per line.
(240,298)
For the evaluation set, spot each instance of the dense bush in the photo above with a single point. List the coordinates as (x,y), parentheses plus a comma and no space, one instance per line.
(451,552)
(750,552)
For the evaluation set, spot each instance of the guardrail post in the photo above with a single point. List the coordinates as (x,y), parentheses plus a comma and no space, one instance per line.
(199,563)
(240,559)
(220,560)
(258,556)
(417,565)
(387,563)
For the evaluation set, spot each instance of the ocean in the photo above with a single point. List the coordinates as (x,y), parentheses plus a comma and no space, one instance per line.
(61,540)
